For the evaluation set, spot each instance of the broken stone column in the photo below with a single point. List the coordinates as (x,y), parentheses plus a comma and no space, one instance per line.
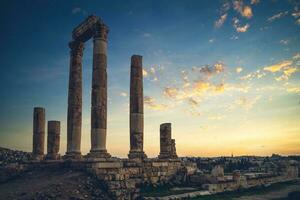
(173,149)
(165,141)
(75,101)
(53,140)
(136,109)
(99,94)
(38,133)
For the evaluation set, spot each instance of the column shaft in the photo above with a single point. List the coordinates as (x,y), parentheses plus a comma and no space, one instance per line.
(53,139)
(165,140)
(136,108)
(75,100)
(38,133)
(99,94)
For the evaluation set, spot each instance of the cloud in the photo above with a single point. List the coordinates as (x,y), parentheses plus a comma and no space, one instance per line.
(123,94)
(293,89)
(278,66)
(208,71)
(151,103)
(238,70)
(234,37)
(277,16)
(284,42)
(152,73)
(246,102)
(285,67)
(170,92)
(239,28)
(255,2)
(221,20)
(296,14)
(145,73)
(78,10)
(258,74)
(245,11)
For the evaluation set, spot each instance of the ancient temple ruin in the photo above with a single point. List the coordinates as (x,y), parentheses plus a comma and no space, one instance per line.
(122,178)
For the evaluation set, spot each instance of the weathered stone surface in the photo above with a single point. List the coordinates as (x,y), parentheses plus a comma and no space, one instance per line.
(99,94)
(38,132)
(136,109)
(173,149)
(165,140)
(53,139)
(74,120)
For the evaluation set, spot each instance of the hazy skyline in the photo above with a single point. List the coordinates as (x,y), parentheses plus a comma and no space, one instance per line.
(224,73)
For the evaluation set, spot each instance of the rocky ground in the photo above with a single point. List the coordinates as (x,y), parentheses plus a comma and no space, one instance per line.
(8,156)
(46,184)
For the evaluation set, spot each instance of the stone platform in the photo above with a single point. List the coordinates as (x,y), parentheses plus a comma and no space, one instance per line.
(122,178)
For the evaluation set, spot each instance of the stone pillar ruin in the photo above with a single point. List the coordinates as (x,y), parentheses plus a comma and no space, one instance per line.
(38,133)
(173,149)
(136,109)
(165,140)
(53,140)
(99,94)
(75,100)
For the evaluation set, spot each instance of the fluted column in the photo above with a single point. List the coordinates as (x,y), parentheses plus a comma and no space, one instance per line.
(136,109)
(38,133)
(53,140)
(75,100)
(99,94)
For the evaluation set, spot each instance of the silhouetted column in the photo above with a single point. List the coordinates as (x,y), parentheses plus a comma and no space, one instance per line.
(136,109)
(53,140)
(75,101)
(38,133)
(99,94)
(165,140)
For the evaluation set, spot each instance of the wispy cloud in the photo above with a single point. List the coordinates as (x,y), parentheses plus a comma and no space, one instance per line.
(285,68)
(151,103)
(240,28)
(221,20)
(277,16)
(78,10)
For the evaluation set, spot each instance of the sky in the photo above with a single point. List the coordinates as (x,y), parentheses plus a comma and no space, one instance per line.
(224,73)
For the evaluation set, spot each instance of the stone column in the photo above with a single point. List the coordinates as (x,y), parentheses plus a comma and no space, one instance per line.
(136,109)
(75,101)
(53,140)
(38,133)
(165,140)
(173,149)
(99,94)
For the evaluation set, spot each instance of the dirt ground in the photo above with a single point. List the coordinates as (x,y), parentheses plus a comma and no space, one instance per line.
(59,184)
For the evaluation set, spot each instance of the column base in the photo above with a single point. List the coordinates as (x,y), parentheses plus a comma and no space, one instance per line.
(137,155)
(98,154)
(38,157)
(52,157)
(164,156)
(72,155)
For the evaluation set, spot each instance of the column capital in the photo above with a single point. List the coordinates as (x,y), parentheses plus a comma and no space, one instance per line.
(76,47)
(101,32)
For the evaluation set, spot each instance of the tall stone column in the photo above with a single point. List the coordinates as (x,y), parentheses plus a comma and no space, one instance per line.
(38,133)
(53,140)
(165,140)
(99,94)
(136,109)
(75,101)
